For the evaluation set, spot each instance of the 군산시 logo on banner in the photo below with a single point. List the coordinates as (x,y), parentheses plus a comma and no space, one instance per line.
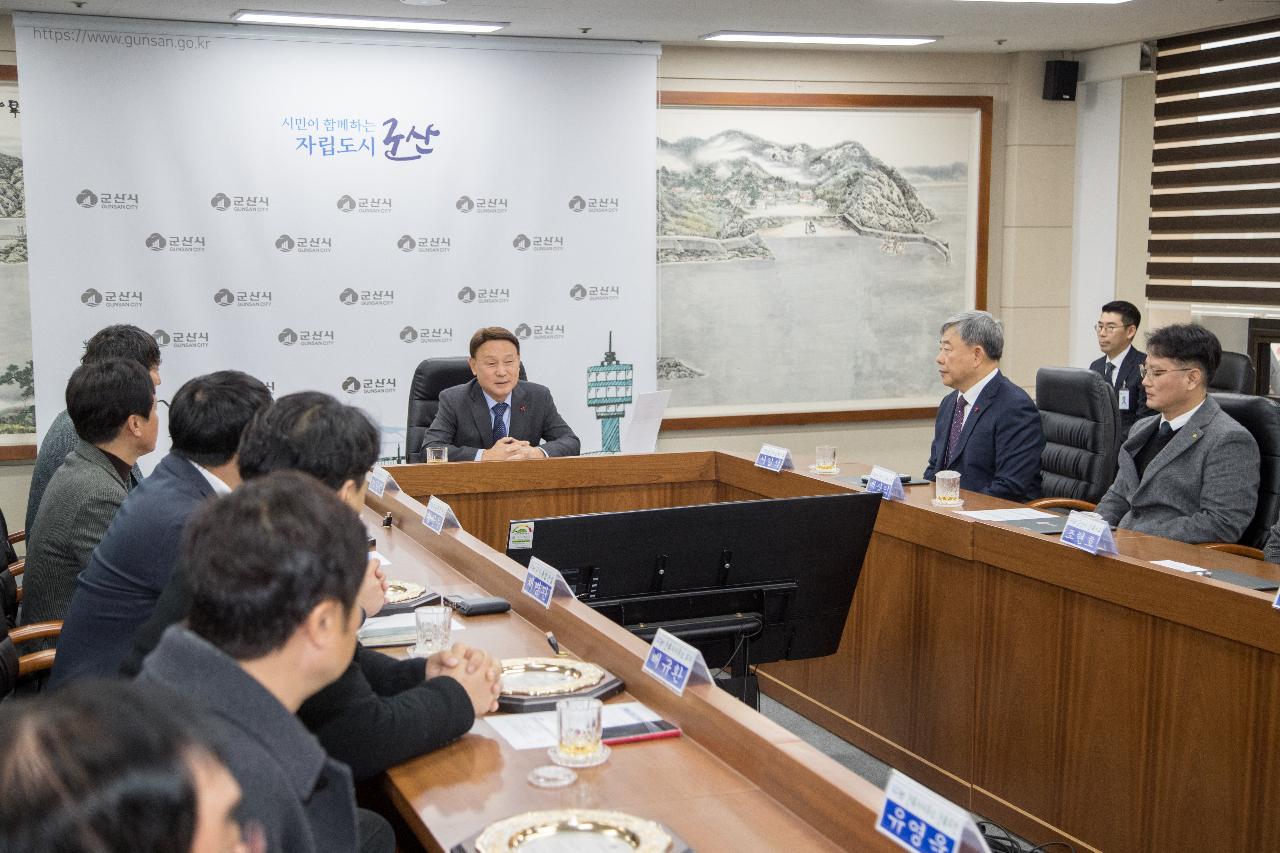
(595,293)
(485,295)
(524,243)
(592,204)
(381,385)
(415,335)
(158,242)
(92,297)
(181,339)
(482,204)
(222,202)
(306,337)
(425,243)
(364,204)
(290,243)
(351,296)
(227,298)
(539,331)
(88,199)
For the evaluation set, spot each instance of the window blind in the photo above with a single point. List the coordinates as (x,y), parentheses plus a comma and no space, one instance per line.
(1215,184)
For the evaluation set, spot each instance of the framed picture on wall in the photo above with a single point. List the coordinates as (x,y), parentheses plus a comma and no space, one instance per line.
(809,247)
(17,386)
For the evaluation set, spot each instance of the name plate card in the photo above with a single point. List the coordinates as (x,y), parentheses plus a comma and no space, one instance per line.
(1089,532)
(439,516)
(774,458)
(674,662)
(543,583)
(381,482)
(886,483)
(918,819)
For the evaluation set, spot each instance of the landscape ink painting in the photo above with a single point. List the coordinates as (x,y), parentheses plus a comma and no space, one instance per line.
(806,257)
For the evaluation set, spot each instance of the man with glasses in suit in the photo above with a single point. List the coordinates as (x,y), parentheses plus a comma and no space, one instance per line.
(1191,472)
(1116,329)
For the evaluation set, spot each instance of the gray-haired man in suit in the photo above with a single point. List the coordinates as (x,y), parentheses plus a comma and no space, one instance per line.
(1192,472)
(495,416)
(112,404)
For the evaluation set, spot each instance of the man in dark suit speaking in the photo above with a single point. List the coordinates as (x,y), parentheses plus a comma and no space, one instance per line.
(989,430)
(495,416)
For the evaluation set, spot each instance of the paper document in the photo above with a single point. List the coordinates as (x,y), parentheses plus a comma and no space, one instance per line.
(1181,567)
(400,629)
(538,730)
(382,561)
(1004,514)
(641,435)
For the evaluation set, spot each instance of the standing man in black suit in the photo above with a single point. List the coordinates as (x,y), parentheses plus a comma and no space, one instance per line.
(1116,329)
(495,417)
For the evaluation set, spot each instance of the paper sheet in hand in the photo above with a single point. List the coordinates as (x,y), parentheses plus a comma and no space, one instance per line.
(538,730)
(641,435)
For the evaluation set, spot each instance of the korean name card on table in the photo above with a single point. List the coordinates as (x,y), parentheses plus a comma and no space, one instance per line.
(886,483)
(674,662)
(774,458)
(439,516)
(543,583)
(1089,532)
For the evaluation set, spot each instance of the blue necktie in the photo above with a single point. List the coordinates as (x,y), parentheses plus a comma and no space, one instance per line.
(499,426)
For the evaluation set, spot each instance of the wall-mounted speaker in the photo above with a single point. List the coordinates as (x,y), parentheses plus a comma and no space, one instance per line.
(1060,79)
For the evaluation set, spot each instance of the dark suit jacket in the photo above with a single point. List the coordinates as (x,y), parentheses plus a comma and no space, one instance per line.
(464,425)
(1202,487)
(1129,379)
(131,566)
(1000,446)
(303,799)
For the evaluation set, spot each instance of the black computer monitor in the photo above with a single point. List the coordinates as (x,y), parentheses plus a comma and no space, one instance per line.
(783,571)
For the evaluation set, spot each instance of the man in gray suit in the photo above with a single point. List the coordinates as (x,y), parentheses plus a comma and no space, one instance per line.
(496,417)
(119,341)
(112,404)
(1191,473)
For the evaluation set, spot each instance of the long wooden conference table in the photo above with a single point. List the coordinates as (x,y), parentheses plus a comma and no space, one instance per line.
(1102,700)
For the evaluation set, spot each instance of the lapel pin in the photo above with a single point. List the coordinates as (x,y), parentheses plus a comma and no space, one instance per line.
(524,408)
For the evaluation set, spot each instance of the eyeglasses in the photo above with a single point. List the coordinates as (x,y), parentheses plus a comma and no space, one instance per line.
(1109,327)
(1156,373)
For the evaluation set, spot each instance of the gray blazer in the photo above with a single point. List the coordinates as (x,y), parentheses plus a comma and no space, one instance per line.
(76,510)
(464,425)
(59,441)
(1202,487)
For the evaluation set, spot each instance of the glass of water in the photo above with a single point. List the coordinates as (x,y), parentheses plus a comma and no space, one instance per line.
(579,724)
(434,624)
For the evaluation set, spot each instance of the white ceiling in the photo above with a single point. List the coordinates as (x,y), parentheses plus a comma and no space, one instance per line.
(963,26)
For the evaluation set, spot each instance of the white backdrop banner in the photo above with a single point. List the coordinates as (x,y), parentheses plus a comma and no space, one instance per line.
(325,210)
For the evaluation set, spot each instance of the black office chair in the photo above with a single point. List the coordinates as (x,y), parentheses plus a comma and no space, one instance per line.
(432,376)
(1261,417)
(1234,374)
(1081,421)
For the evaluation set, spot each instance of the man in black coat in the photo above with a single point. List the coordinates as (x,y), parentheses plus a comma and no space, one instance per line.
(380,711)
(276,572)
(1116,330)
